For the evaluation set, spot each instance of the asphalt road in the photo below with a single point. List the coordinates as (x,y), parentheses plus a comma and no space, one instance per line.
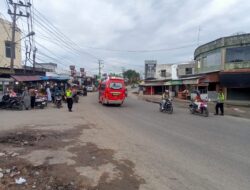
(178,151)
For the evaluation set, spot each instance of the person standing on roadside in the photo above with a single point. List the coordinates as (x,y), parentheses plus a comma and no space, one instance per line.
(48,92)
(69,97)
(220,103)
(32,97)
(26,98)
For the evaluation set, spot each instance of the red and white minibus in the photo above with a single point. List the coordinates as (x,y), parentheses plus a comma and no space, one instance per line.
(112,91)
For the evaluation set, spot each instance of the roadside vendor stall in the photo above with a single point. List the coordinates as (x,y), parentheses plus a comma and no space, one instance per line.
(4,83)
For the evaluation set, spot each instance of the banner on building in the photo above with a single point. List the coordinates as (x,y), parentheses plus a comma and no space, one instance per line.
(150,68)
(73,70)
(82,71)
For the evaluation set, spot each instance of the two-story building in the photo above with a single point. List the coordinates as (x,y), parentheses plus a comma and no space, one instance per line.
(161,77)
(5,53)
(5,45)
(226,63)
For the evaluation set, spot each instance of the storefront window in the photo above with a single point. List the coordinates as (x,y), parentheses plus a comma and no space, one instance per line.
(238,54)
(211,61)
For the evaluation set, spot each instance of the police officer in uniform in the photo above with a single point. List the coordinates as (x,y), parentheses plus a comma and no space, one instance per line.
(69,97)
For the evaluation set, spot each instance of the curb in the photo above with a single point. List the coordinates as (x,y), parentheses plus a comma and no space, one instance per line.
(234,114)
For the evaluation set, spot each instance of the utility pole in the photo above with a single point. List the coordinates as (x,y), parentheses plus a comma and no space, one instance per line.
(34,59)
(123,71)
(198,37)
(100,67)
(14,18)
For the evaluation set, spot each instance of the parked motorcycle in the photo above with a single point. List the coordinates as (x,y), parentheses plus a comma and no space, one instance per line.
(58,101)
(15,103)
(167,107)
(41,102)
(5,102)
(202,110)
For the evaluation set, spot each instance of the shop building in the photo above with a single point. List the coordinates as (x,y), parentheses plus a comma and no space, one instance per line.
(229,57)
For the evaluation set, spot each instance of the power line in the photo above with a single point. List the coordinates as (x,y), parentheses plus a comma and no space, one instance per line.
(61,43)
(54,29)
(51,52)
(115,50)
(145,50)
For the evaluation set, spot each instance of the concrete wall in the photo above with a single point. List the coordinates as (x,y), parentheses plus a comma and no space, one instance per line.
(160,67)
(174,75)
(220,45)
(181,69)
(237,40)
(5,35)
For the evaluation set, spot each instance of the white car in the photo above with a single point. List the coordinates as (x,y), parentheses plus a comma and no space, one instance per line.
(90,88)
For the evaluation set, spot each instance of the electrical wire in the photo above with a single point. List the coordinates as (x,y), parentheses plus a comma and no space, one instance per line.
(56,31)
(115,50)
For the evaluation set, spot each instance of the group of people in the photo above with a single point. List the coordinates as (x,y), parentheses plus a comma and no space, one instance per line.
(197,100)
(29,95)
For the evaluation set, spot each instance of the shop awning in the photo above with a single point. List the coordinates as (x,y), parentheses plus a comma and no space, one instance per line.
(6,80)
(23,78)
(152,84)
(58,78)
(191,80)
(173,82)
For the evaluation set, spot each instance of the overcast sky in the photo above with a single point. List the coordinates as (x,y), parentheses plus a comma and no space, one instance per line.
(136,25)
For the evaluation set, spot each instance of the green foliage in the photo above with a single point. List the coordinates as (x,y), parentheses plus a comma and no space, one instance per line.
(132,76)
(115,75)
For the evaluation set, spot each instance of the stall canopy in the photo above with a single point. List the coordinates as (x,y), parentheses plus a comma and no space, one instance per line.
(173,82)
(152,84)
(191,80)
(23,78)
(56,78)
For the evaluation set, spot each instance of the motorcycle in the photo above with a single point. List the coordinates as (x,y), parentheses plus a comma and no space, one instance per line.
(82,92)
(41,102)
(5,102)
(167,107)
(200,110)
(58,101)
(15,103)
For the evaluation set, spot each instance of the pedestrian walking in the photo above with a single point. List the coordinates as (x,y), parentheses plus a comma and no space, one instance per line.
(220,103)
(26,98)
(69,96)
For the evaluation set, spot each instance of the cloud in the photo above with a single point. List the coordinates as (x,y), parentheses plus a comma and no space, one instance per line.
(136,25)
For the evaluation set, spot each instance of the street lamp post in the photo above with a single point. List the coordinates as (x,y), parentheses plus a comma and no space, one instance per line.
(13,48)
(28,35)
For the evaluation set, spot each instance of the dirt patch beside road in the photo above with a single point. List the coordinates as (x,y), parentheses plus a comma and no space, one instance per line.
(57,160)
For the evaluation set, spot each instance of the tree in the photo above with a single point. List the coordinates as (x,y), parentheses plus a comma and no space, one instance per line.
(132,76)
(115,75)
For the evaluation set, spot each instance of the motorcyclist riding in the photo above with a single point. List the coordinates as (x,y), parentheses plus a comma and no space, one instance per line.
(197,100)
(165,98)
(57,91)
